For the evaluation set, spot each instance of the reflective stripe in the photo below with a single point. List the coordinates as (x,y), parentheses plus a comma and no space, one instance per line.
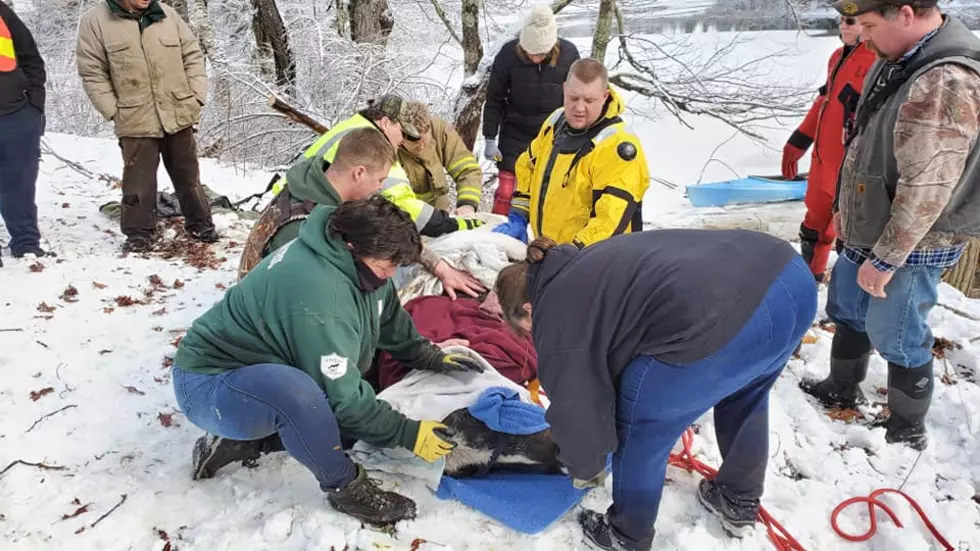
(462,166)
(324,149)
(470,194)
(392,181)
(553,118)
(607,132)
(424,216)
(8,58)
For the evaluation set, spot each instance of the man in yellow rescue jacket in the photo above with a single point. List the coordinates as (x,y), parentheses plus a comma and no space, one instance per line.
(390,115)
(583,177)
(440,151)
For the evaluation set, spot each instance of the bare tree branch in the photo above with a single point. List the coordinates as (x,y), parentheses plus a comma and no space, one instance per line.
(560,5)
(445,19)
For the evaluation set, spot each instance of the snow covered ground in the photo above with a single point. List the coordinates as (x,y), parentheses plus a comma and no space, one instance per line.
(85,390)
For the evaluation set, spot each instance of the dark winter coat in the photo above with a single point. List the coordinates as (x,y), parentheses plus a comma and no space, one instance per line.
(26,82)
(676,295)
(521,95)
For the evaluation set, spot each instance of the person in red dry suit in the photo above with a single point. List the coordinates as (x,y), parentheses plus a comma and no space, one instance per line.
(824,127)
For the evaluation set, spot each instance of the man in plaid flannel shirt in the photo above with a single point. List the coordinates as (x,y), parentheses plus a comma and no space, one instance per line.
(908,199)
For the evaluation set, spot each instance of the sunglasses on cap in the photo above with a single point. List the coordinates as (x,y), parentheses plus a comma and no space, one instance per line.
(410,138)
(849,21)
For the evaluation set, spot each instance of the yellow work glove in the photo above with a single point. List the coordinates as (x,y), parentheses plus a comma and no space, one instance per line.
(433,441)
(469,223)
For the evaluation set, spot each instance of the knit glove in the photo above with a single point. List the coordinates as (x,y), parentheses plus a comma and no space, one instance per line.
(433,441)
(515,226)
(468,223)
(491,151)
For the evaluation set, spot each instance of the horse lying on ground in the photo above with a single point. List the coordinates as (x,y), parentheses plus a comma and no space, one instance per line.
(480,449)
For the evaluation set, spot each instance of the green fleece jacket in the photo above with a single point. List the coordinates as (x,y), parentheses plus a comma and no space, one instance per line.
(305,181)
(304,306)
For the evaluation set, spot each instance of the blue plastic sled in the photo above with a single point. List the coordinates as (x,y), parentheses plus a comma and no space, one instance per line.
(749,190)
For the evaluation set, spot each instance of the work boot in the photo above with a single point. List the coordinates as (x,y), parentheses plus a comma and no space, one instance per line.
(600,534)
(138,244)
(850,354)
(909,397)
(364,500)
(209,235)
(36,251)
(212,452)
(737,515)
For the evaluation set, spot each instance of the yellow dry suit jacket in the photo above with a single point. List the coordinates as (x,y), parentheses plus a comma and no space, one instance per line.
(582,186)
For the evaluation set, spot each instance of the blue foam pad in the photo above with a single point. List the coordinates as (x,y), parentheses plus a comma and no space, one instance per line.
(524,502)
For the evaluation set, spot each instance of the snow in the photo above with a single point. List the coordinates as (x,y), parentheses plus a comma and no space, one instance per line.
(107,368)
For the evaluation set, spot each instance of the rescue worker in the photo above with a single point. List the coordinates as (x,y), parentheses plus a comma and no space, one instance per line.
(824,128)
(22,79)
(388,114)
(908,200)
(524,88)
(142,68)
(357,171)
(280,358)
(664,337)
(439,151)
(583,177)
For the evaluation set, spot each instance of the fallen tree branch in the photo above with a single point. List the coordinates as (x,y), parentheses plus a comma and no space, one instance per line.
(297,115)
(44,466)
(11,330)
(109,512)
(43,417)
(78,167)
(960,313)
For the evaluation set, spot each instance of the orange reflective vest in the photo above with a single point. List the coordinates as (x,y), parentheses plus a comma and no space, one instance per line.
(8,61)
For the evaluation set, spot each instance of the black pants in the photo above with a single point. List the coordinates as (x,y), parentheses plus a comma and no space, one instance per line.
(141,157)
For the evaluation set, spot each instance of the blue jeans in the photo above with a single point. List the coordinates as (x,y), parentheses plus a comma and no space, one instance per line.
(252,402)
(897,324)
(20,153)
(657,402)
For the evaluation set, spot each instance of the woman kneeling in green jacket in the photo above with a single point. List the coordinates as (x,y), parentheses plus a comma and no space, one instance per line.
(280,357)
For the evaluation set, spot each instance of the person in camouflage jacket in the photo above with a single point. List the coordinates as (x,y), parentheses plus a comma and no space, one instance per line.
(908,200)
(440,152)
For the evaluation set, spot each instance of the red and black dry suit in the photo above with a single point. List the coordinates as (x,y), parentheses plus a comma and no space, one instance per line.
(824,127)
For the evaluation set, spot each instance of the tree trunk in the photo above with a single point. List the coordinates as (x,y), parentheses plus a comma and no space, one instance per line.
(963,275)
(472,47)
(272,42)
(603,25)
(342,19)
(370,21)
(181,7)
(202,27)
(473,92)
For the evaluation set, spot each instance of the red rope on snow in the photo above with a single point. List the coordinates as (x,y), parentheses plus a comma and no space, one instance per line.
(687,461)
(872,500)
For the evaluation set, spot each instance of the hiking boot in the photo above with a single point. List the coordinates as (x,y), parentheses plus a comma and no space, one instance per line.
(209,235)
(36,251)
(138,244)
(364,500)
(212,452)
(909,397)
(850,354)
(600,534)
(737,515)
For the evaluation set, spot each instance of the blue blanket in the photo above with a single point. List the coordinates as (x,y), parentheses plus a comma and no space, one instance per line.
(501,409)
(524,502)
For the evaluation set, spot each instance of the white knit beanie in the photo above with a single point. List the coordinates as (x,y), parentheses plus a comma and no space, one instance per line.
(540,32)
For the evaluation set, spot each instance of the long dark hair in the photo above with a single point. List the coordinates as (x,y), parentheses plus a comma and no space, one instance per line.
(377,228)
(511,284)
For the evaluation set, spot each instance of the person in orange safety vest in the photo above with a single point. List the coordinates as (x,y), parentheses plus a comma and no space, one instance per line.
(824,127)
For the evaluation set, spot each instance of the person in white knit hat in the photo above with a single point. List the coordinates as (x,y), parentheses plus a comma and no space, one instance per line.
(525,87)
